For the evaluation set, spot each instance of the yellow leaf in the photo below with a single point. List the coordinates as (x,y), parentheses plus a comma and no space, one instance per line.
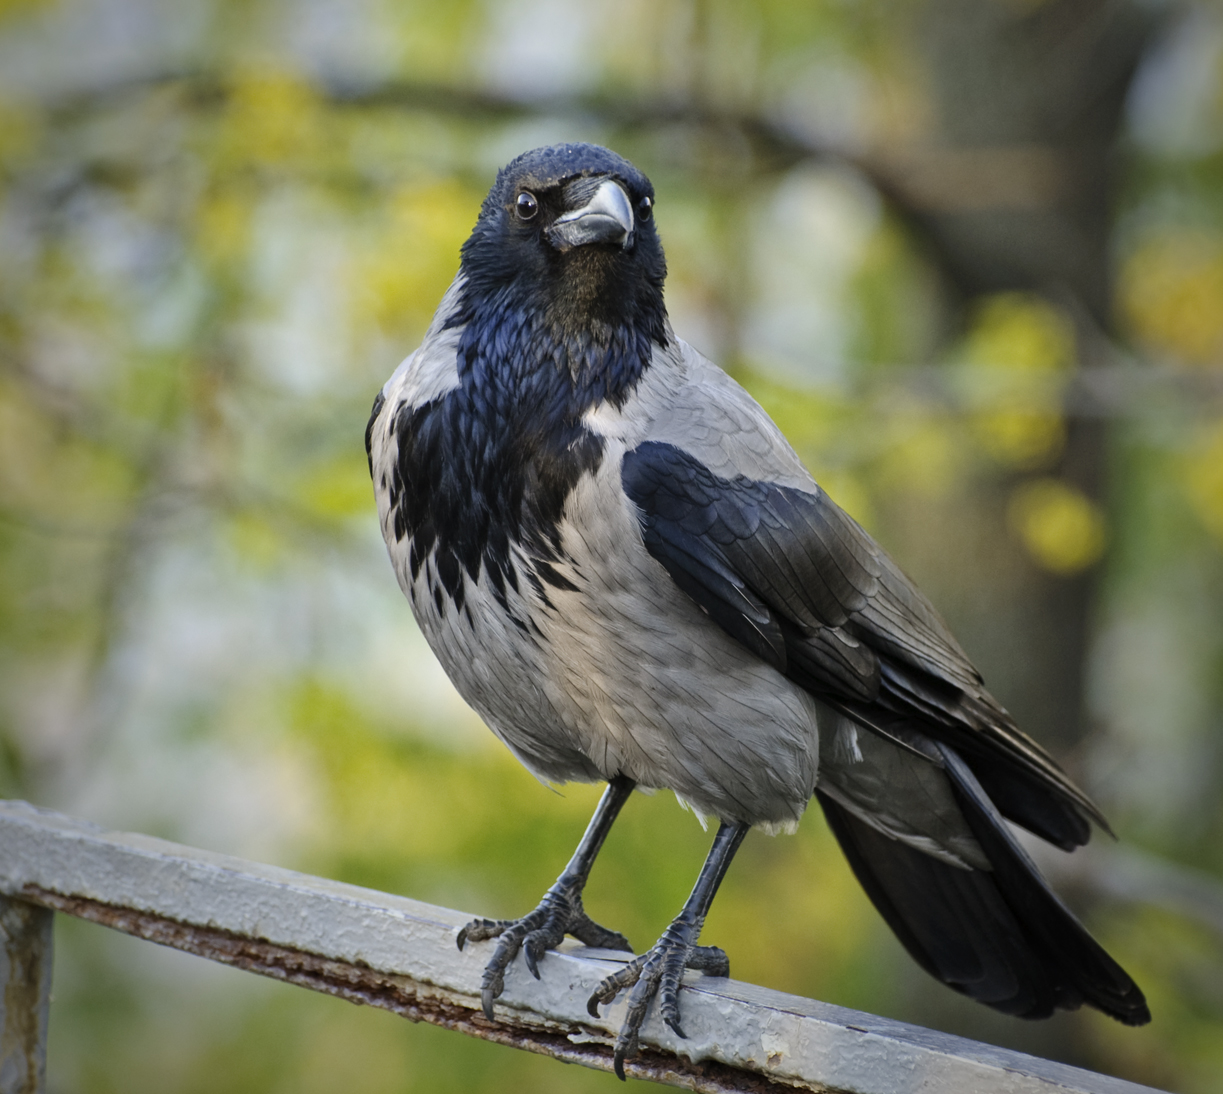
(1017,357)
(1022,333)
(1172,295)
(1020,438)
(1062,529)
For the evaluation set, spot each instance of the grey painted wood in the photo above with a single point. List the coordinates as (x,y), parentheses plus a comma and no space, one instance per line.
(399,953)
(25,974)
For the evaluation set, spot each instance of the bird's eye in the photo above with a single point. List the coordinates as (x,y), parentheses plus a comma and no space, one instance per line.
(645,207)
(526,206)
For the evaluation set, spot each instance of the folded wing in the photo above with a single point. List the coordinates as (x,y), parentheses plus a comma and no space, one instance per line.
(796,580)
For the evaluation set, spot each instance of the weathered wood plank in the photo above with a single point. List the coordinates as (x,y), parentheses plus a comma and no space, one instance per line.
(400,954)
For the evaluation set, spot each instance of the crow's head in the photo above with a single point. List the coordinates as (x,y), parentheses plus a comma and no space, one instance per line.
(568,232)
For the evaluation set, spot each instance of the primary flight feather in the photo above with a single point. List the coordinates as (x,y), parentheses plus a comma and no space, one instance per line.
(629,574)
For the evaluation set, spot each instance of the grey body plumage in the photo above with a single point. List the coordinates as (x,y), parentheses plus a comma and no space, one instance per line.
(610,674)
(629,574)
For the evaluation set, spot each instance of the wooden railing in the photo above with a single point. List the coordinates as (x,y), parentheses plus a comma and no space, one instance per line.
(400,954)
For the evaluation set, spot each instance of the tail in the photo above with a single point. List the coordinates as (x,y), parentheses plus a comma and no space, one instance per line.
(1001,936)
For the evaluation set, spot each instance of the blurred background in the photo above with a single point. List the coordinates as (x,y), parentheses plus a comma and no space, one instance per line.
(969,253)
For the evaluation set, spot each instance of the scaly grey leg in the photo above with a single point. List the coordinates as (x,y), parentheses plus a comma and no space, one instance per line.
(660,971)
(559,913)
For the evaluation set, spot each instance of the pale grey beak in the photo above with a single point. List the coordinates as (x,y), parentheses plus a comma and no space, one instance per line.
(606,218)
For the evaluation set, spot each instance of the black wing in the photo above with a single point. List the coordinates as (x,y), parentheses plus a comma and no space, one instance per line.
(797,581)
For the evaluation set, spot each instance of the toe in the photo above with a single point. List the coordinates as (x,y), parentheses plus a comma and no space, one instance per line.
(493,983)
(492,986)
(628,1042)
(591,933)
(711,960)
(611,986)
(625,1047)
(478,930)
(668,1002)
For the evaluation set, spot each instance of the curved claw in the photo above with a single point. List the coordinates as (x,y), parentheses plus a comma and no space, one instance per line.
(487,997)
(509,935)
(668,996)
(669,1005)
(625,1047)
(533,949)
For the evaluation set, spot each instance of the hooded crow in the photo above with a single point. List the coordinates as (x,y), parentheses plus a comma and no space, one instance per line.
(629,574)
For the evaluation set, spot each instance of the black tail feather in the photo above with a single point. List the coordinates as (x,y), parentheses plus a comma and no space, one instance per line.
(1103,983)
(1002,937)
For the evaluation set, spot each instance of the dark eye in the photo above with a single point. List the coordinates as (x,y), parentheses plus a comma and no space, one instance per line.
(645,207)
(526,206)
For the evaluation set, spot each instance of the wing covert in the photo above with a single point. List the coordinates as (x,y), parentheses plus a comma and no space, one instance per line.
(765,563)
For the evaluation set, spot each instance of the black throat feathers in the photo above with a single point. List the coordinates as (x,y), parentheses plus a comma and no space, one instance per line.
(492,463)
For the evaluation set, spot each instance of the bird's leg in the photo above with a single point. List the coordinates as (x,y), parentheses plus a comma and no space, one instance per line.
(559,913)
(660,971)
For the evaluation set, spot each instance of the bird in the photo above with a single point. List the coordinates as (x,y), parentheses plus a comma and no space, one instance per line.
(629,574)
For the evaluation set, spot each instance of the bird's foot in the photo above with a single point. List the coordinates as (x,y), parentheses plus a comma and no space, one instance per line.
(657,973)
(559,913)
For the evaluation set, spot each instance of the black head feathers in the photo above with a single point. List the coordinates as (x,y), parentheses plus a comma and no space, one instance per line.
(567,233)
